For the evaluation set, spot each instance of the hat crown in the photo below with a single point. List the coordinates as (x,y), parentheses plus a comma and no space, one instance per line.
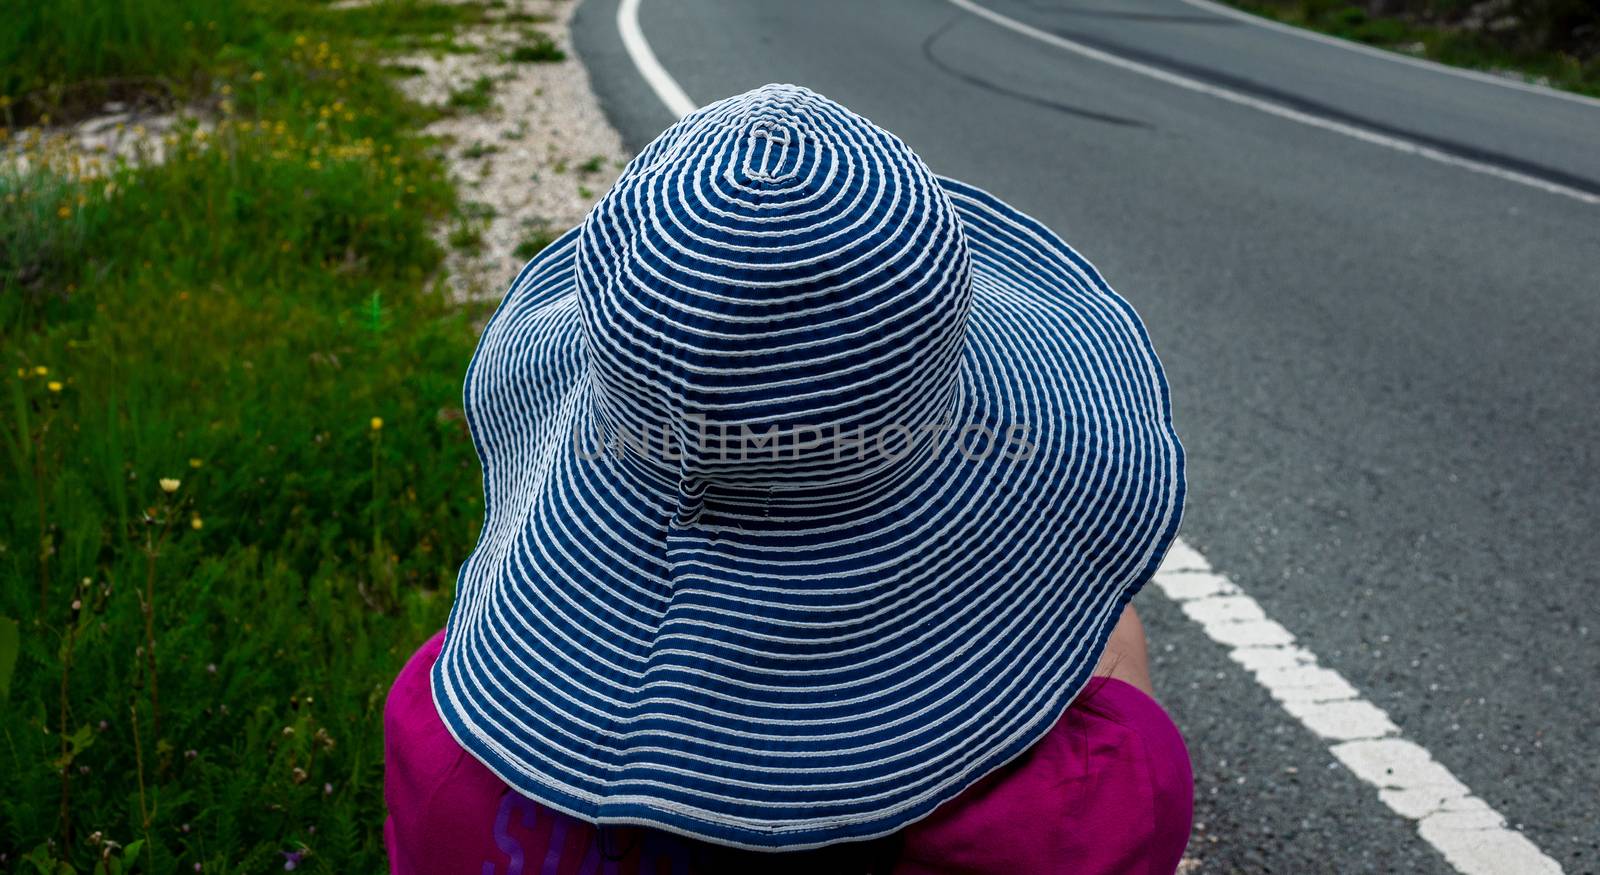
(774,294)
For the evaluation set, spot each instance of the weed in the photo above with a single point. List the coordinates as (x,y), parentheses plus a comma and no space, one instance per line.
(403,71)
(533,244)
(523,17)
(466,236)
(475,97)
(539,48)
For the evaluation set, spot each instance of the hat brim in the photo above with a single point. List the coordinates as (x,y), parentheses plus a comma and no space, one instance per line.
(817,671)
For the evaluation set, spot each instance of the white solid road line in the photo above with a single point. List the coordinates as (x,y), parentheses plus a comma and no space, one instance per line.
(1398,58)
(1473,837)
(1359,133)
(638,48)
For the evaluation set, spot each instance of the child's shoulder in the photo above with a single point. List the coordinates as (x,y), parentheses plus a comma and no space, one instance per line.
(432,787)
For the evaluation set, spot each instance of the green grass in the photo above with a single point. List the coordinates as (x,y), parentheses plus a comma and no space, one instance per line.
(75,53)
(407,25)
(238,318)
(1528,52)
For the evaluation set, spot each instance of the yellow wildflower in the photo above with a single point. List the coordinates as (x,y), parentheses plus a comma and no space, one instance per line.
(170,485)
(196,463)
(54,385)
(377,423)
(196,523)
(257,76)
(65,212)
(40,370)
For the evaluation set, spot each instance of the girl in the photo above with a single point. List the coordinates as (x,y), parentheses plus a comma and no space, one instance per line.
(817,487)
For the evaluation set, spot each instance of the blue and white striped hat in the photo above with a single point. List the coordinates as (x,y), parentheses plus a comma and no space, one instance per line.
(814,485)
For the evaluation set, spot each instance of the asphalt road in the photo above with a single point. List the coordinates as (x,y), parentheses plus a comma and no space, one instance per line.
(1385,367)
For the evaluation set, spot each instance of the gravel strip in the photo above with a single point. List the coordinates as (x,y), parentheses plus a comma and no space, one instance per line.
(532,162)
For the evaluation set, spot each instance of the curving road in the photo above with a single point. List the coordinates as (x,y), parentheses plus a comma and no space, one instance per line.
(1376,288)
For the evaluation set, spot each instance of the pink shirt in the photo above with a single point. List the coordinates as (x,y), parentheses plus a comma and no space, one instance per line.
(1107,790)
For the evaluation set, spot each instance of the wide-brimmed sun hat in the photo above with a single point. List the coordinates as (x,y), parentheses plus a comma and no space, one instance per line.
(814,484)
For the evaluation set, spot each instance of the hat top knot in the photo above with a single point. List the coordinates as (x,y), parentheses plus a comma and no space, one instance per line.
(771,151)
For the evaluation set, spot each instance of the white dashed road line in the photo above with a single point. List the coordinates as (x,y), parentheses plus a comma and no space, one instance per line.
(1473,837)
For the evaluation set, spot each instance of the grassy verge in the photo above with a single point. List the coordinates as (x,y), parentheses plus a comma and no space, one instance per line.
(238,484)
(1519,48)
